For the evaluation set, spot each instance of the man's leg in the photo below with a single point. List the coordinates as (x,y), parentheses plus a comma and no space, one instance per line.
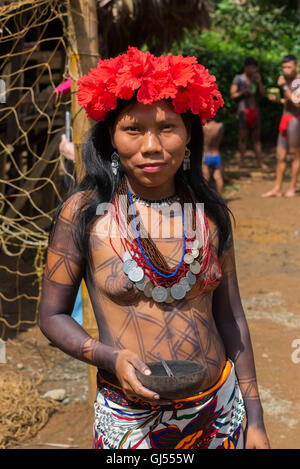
(257,148)
(293,135)
(206,172)
(295,154)
(217,175)
(281,152)
(242,146)
(243,137)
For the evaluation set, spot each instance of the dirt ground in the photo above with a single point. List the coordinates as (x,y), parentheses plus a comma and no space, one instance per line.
(267,243)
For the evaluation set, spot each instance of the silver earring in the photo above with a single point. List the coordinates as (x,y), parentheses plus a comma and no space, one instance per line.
(115,163)
(186,161)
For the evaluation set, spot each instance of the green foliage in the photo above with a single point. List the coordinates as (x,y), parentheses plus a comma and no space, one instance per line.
(263,30)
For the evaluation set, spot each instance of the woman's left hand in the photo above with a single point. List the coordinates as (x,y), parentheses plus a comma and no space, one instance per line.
(256,438)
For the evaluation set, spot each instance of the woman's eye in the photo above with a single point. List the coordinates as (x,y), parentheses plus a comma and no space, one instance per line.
(167,127)
(132,128)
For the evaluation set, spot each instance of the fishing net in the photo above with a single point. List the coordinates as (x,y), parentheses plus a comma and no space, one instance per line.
(33,62)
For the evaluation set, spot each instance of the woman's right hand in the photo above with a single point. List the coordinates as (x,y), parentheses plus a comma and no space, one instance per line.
(126,364)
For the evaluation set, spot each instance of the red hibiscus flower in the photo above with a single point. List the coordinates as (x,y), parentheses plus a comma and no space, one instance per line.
(182,79)
(157,85)
(181,69)
(136,68)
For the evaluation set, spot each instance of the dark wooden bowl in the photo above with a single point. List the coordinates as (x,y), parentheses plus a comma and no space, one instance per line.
(186,382)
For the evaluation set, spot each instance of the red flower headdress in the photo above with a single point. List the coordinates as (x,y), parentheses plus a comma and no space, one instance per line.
(181,79)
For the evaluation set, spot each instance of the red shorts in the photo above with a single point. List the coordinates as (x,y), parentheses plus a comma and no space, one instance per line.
(251,117)
(284,123)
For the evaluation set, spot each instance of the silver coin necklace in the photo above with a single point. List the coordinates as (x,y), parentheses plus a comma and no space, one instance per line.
(154,284)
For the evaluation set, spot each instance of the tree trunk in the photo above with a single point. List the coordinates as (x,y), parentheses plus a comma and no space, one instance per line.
(84,54)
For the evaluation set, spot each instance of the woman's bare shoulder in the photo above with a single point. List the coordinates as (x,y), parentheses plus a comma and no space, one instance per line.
(75,202)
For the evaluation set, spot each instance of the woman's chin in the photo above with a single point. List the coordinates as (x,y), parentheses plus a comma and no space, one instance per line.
(152,179)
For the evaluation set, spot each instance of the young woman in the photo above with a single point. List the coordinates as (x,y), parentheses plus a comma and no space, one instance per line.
(160,271)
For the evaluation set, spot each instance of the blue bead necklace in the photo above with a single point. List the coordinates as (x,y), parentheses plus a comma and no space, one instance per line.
(140,245)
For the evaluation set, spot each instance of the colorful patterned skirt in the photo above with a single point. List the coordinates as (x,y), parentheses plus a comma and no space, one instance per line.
(212,419)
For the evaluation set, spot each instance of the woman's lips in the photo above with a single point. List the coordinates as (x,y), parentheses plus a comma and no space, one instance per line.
(152,167)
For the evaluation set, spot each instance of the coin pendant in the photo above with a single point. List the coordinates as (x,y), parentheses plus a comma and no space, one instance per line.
(184,281)
(191,278)
(195,244)
(188,258)
(127,256)
(159,294)
(190,235)
(169,298)
(178,291)
(195,267)
(129,264)
(135,274)
(195,253)
(140,285)
(148,289)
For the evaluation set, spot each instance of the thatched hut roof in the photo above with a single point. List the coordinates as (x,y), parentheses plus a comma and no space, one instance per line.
(157,23)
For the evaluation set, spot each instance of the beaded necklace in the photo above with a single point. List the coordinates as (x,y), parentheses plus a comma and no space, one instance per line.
(140,245)
(146,267)
(154,203)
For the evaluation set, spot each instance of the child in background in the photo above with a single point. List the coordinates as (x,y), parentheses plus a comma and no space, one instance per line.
(212,163)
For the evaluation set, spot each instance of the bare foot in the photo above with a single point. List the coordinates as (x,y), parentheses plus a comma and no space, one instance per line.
(272,193)
(263,166)
(290,193)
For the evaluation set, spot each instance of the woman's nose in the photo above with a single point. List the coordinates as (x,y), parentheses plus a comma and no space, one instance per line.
(151,143)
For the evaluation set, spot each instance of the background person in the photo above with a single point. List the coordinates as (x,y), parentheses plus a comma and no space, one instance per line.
(246,89)
(212,161)
(289,128)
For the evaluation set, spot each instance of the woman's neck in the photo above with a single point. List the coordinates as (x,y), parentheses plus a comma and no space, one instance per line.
(152,193)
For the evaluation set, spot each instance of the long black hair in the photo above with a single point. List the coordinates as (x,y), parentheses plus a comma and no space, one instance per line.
(101,184)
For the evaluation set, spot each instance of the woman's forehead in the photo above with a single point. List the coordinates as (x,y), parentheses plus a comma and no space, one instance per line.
(159,111)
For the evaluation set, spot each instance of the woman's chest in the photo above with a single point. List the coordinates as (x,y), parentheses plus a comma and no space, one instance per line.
(126,281)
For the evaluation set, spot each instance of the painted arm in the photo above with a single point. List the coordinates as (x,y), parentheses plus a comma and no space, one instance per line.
(293,97)
(232,325)
(64,271)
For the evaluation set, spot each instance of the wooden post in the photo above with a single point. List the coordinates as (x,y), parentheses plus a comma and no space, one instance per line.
(84,54)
